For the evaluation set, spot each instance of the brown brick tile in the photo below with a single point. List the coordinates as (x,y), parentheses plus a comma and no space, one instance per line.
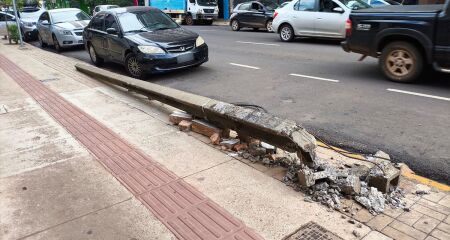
(379,222)
(441,235)
(436,207)
(444,227)
(364,216)
(410,217)
(408,230)
(427,211)
(395,234)
(426,224)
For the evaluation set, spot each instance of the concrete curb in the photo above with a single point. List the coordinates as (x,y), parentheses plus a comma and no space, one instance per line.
(282,133)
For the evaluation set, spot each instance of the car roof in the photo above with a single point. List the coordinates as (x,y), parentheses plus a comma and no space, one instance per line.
(116,11)
(63,10)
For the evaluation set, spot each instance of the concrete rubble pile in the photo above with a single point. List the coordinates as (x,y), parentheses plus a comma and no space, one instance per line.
(372,185)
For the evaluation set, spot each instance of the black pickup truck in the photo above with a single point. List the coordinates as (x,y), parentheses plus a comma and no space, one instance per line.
(406,39)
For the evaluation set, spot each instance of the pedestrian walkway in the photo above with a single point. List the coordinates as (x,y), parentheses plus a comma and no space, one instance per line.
(85,160)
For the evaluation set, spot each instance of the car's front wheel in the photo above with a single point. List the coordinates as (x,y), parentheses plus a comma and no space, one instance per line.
(56,44)
(98,61)
(286,33)
(189,20)
(401,62)
(235,25)
(269,26)
(134,67)
(42,44)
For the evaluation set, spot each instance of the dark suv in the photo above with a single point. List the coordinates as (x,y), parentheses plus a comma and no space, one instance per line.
(255,14)
(144,40)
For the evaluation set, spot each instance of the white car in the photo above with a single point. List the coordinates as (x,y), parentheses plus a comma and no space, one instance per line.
(314,18)
(62,27)
(100,8)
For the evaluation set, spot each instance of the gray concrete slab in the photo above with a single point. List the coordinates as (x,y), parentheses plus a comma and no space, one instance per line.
(264,203)
(127,220)
(41,199)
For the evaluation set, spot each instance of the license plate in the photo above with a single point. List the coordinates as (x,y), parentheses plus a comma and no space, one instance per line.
(185,58)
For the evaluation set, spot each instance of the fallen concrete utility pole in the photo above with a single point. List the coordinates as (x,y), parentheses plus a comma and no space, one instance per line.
(282,133)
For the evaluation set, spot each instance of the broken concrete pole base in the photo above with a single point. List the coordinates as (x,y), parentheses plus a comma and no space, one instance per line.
(350,185)
(383,175)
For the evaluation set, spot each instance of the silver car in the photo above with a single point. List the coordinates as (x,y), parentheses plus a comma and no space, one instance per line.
(6,19)
(62,28)
(28,20)
(314,18)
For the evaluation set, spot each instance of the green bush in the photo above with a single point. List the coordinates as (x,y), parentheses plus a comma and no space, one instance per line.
(13,32)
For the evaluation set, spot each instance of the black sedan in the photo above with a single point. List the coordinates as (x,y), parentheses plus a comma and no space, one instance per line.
(255,14)
(143,39)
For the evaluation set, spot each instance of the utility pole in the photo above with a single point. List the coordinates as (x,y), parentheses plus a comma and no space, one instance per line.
(18,24)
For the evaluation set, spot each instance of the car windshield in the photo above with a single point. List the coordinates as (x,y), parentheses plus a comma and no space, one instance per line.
(207,2)
(69,16)
(355,4)
(31,15)
(270,5)
(151,20)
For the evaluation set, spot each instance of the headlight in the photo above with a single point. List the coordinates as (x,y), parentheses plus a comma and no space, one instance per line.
(199,11)
(200,41)
(216,9)
(151,50)
(28,24)
(65,32)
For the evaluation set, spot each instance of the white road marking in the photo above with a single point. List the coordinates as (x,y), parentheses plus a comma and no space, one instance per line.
(256,43)
(418,94)
(316,78)
(242,65)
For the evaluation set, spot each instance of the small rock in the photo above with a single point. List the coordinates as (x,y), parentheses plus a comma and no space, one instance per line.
(356,233)
(240,147)
(359,225)
(246,155)
(343,217)
(185,125)
(307,199)
(269,148)
(257,151)
(229,143)
(352,221)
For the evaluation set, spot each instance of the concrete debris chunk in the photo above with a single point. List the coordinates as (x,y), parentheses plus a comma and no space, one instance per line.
(215,139)
(177,116)
(349,185)
(185,125)
(373,200)
(240,147)
(257,151)
(229,143)
(269,148)
(384,175)
(204,128)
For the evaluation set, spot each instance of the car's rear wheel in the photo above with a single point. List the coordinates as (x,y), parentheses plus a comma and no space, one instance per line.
(286,33)
(42,44)
(133,66)
(401,62)
(98,61)
(189,20)
(269,26)
(56,44)
(235,25)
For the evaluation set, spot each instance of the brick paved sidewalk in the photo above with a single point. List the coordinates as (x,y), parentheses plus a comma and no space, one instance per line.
(118,123)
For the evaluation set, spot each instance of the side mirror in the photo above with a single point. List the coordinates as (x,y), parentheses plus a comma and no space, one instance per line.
(45,22)
(111,31)
(338,10)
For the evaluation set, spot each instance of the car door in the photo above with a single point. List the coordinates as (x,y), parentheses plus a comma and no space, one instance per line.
(330,20)
(113,45)
(243,14)
(44,27)
(442,46)
(256,15)
(97,34)
(303,17)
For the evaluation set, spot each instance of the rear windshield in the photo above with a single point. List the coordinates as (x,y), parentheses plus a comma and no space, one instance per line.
(69,16)
(145,21)
(355,4)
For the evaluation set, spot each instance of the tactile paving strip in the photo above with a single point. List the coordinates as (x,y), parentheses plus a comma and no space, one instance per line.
(312,231)
(183,209)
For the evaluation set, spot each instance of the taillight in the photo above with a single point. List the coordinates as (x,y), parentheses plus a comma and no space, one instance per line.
(275,14)
(348,27)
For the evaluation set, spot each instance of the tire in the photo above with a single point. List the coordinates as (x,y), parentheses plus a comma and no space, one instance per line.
(42,44)
(286,33)
(235,25)
(96,60)
(401,62)
(189,20)
(255,29)
(24,36)
(56,44)
(269,27)
(134,67)
(209,22)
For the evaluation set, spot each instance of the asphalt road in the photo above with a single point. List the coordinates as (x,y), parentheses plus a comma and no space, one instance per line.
(342,101)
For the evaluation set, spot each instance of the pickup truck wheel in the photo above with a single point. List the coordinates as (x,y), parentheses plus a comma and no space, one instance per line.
(286,33)
(401,62)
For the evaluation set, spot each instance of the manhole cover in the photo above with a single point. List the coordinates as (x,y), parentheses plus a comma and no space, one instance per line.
(312,231)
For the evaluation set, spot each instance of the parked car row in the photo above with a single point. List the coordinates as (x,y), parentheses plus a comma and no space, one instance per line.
(143,39)
(406,39)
